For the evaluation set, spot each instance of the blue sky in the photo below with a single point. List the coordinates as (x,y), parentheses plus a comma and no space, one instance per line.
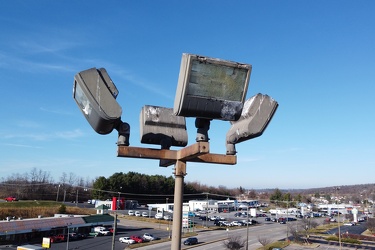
(316,58)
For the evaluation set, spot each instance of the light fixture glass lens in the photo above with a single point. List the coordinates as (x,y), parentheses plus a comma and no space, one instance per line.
(217,82)
(82,100)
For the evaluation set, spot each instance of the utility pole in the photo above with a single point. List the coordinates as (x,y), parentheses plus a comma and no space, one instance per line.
(57,196)
(114,232)
(338,215)
(67,240)
(206,208)
(180,172)
(247,228)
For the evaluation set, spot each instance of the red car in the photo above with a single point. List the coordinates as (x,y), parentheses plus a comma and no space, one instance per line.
(10,199)
(57,238)
(136,238)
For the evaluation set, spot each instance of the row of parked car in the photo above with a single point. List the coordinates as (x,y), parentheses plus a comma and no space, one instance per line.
(236,223)
(281,220)
(137,213)
(62,237)
(138,239)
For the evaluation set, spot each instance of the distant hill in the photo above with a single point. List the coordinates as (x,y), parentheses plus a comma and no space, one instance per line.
(359,189)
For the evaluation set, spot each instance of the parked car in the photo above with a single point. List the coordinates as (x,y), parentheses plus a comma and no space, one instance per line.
(349,224)
(159,216)
(73,236)
(238,214)
(204,217)
(126,240)
(131,212)
(167,217)
(10,199)
(149,237)
(102,231)
(136,238)
(224,223)
(137,213)
(81,236)
(250,222)
(291,219)
(191,241)
(236,223)
(144,214)
(57,238)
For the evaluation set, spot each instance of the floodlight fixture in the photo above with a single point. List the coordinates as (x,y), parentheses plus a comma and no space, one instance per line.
(256,115)
(159,125)
(95,95)
(211,88)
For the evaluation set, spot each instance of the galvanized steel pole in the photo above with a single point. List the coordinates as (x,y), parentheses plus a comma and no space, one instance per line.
(180,172)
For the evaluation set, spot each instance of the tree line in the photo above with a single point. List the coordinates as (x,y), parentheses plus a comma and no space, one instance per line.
(39,185)
(154,188)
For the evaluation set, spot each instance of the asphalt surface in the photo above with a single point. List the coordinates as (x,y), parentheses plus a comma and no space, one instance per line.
(214,241)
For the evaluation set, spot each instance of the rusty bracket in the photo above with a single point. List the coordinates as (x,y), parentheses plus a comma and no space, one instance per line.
(197,152)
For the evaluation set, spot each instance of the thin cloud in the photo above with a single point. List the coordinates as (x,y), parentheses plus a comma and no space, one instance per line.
(142,83)
(55,111)
(247,159)
(28,124)
(24,65)
(287,150)
(50,47)
(20,145)
(77,133)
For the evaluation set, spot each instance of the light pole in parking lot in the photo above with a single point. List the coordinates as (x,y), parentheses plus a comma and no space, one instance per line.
(118,200)
(206,208)
(67,239)
(58,190)
(247,228)
(338,215)
(208,89)
(169,227)
(77,197)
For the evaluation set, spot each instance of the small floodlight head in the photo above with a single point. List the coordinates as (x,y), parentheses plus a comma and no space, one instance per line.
(256,115)
(161,127)
(95,95)
(211,88)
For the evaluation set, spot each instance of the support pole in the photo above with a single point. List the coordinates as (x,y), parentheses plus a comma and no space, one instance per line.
(114,231)
(180,172)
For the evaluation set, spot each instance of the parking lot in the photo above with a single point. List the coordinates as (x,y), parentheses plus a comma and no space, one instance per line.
(129,225)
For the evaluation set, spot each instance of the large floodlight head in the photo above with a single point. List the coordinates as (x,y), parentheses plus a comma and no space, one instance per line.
(95,95)
(211,88)
(256,115)
(161,127)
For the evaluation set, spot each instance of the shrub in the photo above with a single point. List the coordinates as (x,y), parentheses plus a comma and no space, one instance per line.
(62,209)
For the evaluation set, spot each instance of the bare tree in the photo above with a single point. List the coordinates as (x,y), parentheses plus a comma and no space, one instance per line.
(72,179)
(63,178)
(370,224)
(234,242)
(306,225)
(264,241)
(293,229)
